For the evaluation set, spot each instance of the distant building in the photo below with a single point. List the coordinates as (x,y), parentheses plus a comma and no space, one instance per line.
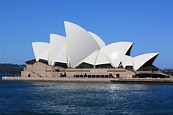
(83,54)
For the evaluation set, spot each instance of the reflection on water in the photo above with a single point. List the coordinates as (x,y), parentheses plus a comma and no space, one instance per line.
(84,98)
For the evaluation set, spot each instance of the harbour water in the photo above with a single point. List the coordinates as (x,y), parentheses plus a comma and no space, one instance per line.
(84,98)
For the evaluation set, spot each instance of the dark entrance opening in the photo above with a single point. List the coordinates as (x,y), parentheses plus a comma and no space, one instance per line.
(85,65)
(117,75)
(104,66)
(60,64)
(43,61)
(29,75)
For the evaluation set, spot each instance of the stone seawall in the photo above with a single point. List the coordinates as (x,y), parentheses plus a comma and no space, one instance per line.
(145,80)
(96,80)
(58,79)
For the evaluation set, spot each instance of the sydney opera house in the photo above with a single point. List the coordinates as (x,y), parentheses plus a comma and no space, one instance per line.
(82,53)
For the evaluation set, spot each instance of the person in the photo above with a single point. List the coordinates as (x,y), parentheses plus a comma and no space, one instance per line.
(64,74)
(85,75)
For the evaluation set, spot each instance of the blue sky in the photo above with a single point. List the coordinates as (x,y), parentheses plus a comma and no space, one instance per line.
(147,23)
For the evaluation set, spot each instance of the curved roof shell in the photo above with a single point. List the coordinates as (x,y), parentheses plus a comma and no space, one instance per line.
(57,49)
(140,60)
(80,43)
(115,50)
(127,61)
(102,59)
(41,50)
(112,54)
(98,40)
(91,58)
(80,46)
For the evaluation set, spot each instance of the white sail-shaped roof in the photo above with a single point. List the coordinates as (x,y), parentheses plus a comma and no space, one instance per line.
(41,50)
(118,47)
(142,59)
(97,58)
(57,42)
(112,54)
(127,60)
(80,43)
(81,46)
(102,58)
(98,40)
(62,56)
(91,58)
(115,50)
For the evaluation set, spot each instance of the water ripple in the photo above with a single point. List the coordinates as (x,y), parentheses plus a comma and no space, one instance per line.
(84,98)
